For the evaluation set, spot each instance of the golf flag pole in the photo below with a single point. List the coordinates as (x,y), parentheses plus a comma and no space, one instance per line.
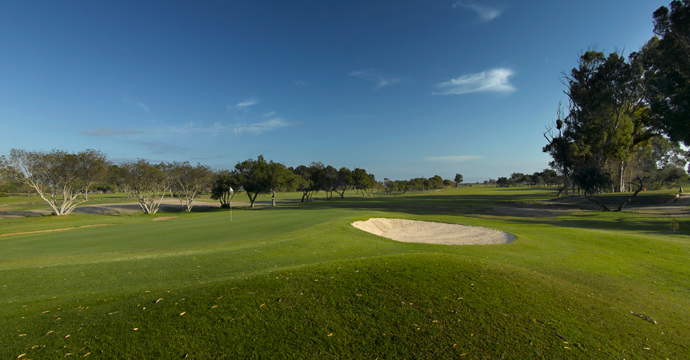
(231,192)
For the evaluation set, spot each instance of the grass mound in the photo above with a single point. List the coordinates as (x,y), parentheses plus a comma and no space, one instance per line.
(419,306)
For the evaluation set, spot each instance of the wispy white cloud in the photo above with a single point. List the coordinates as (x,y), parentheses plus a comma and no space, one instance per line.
(494,80)
(300,83)
(453,159)
(245,104)
(260,127)
(379,79)
(214,129)
(269,114)
(217,128)
(141,106)
(109,132)
(486,13)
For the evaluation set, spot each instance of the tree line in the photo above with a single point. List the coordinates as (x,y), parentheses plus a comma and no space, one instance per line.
(626,117)
(64,180)
(419,184)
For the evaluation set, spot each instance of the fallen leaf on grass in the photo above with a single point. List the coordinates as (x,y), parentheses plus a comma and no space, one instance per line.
(331,334)
(20,335)
(214,306)
(157,301)
(20,356)
(262,305)
(182,313)
(49,332)
(135,329)
(87,354)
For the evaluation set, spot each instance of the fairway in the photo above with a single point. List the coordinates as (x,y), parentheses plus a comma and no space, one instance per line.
(299,281)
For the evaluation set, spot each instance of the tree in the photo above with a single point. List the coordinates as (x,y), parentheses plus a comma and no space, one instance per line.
(252,176)
(560,147)
(550,177)
(60,178)
(189,181)
(330,181)
(277,178)
(5,172)
(458,179)
(344,180)
(261,177)
(148,183)
(607,118)
(93,167)
(224,187)
(361,180)
(435,182)
(667,70)
(311,178)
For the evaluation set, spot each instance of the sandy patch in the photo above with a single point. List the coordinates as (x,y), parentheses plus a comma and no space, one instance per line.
(164,218)
(433,232)
(53,230)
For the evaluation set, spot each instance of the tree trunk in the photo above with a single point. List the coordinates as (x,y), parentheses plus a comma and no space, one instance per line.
(251,199)
(594,200)
(621,184)
(273,198)
(640,186)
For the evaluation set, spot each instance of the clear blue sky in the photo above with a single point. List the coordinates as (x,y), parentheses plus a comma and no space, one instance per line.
(401,88)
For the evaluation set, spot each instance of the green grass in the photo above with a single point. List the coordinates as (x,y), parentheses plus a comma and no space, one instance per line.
(298,281)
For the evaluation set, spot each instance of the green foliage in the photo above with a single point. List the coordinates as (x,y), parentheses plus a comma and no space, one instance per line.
(262,177)
(458,179)
(189,181)
(362,181)
(60,178)
(148,183)
(225,186)
(667,65)
(592,180)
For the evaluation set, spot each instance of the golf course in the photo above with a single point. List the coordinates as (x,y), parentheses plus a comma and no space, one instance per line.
(299,281)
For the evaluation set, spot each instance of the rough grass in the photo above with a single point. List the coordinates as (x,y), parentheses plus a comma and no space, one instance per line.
(299,282)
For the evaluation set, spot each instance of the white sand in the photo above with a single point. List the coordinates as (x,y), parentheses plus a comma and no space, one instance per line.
(433,232)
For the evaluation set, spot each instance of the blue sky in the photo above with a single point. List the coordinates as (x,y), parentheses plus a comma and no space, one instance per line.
(401,88)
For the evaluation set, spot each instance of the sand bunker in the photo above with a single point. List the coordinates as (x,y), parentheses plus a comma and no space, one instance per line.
(433,232)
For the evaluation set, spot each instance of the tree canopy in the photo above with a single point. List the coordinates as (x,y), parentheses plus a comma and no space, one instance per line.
(667,70)
(60,178)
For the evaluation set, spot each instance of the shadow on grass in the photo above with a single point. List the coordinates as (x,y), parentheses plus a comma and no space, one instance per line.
(509,208)
(420,204)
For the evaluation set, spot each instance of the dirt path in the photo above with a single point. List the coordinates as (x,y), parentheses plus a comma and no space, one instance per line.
(679,206)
